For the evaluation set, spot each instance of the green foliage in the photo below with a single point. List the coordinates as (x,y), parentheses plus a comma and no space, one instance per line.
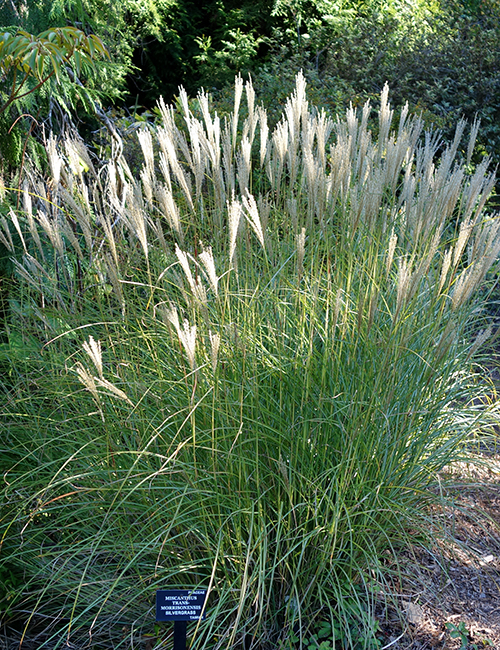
(28,65)
(442,58)
(461,632)
(203,44)
(32,55)
(237,53)
(454,73)
(55,74)
(331,636)
(25,57)
(11,141)
(11,585)
(157,45)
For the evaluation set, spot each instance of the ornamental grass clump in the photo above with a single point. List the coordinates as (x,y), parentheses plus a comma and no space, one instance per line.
(243,371)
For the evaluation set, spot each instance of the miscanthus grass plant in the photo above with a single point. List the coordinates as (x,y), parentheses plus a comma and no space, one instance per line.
(241,370)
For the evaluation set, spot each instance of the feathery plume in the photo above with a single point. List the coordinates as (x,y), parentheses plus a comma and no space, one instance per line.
(51,230)
(183,260)
(169,208)
(390,252)
(54,160)
(264,134)
(324,128)
(253,216)
(79,157)
(158,227)
(185,104)
(25,272)
(136,217)
(280,148)
(207,259)
(198,154)
(79,211)
(114,390)
(112,273)
(108,231)
(187,336)
(459,131)
(385,118)
(352,123)
(463,237)
(165,169)
(252,113)
(301,241)
(147,184)
(94,350)
(197,288)
(480,340)
(445,267)
(336,308)
(173,162)
(89,382)
(200,293)
(227,158)
(15,221)
(173,317)
(34,234)
(234,215)
(244,165)
(238,90)
(27,203)
(214,345)
(404,279)
(472,138)
(76,164)
(210,125)
(264,211)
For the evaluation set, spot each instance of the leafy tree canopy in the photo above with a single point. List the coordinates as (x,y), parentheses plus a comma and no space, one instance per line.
(25,57)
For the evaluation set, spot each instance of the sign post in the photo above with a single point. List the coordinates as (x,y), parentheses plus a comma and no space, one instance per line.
(180,606)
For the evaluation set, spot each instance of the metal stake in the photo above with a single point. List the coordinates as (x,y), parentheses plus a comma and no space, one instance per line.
(180,628)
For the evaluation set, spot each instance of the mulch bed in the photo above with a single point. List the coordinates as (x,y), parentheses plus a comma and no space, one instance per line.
(450,599)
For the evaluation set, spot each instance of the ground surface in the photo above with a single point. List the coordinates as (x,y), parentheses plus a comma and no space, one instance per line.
(450,599)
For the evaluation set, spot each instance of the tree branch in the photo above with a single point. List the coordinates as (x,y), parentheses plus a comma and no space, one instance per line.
(14,97)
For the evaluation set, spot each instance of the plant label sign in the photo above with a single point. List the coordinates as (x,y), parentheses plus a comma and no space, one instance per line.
(180,604)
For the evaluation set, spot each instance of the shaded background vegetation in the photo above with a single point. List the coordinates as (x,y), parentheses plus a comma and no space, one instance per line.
(442,57)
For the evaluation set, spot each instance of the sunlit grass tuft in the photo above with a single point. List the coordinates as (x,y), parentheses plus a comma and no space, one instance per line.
(250,369)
